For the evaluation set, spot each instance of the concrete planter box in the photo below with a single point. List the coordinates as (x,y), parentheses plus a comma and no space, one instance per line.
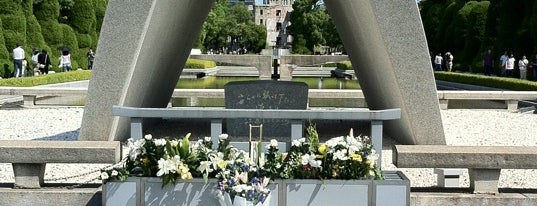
(141,191)
(393,191)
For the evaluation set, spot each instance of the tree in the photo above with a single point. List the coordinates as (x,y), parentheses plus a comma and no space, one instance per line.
(232,29)
(310,21)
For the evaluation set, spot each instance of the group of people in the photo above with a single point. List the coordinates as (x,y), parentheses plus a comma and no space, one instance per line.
(40,61)
(508,64)
(443,63)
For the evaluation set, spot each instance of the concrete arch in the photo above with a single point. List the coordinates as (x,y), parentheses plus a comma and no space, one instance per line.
(144,45)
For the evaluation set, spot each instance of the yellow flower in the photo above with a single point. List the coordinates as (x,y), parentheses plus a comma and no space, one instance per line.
(186,176)
(183,169)
(356,157)
(221,163)
(322,149)
(371,173)
(368,162)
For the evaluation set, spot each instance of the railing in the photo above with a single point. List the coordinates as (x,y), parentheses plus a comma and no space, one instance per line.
(510,97)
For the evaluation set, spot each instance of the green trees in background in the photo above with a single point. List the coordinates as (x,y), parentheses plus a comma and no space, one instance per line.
(51,25)
(312,26)
(228,30)
(469,28)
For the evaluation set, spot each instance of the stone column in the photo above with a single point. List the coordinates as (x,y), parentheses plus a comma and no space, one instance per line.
(142,49)
(386,44)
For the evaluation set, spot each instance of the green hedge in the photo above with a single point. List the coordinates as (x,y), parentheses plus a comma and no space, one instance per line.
(345,65)
(34,38)
(199,64)
(4,54)
(82,16)
(47,10)
(6,68)
(488,81)
(84,40)
(46,79)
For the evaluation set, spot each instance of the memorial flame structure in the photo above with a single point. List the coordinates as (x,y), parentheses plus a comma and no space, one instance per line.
(144,45)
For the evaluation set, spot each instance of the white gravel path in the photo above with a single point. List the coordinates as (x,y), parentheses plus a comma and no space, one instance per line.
(462,127)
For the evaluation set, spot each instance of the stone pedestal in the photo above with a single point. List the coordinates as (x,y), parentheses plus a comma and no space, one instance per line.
(484,181)
(28,175)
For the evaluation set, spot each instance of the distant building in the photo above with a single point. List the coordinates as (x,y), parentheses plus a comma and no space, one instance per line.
(274,15)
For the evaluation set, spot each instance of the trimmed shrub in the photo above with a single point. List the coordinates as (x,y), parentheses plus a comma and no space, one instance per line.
(100,9)
(4,54)
(84,40)
(14,25)
(345,65)
(488,81)
(47,10)
(52,32)
(9,7)
(34,38)
(6,68)
(199,64)
(82,16)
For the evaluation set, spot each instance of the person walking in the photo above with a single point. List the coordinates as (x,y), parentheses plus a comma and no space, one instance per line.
(449,61)
(438,62)
(510,66)
(534,67)
(35,54)
(43,60)
(522,66)
(65,61)
(503,60)
(488,62)
(91,58)
(18,56)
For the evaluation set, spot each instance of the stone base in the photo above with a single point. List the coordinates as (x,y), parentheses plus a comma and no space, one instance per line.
(51,197)
(28,175)
(484,181)
(466,199)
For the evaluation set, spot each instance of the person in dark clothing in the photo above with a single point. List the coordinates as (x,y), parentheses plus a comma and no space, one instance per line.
(43,62)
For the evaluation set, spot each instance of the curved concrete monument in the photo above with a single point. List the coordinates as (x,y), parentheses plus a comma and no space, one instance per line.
(143,48)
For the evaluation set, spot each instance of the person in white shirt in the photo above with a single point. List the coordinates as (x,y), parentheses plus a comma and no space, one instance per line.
(523,66)
(65,61)
(510,66)
(18,56)
(438,62)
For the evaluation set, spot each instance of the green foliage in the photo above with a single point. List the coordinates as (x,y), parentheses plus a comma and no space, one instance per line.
(13,24)
(42,79)
(34,37)
(52,32)
(100,9)
(46,10)
(488,81)
(84,40)
(199,64)
(82,16)
(227,30)
(311,26)
(9,7)
(299,45)
(4,54)
(345,65)
(6,69)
